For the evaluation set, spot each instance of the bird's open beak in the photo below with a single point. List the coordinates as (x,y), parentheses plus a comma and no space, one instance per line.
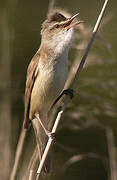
(68,24)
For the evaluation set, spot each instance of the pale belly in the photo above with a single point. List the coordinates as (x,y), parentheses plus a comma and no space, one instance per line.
(47,88)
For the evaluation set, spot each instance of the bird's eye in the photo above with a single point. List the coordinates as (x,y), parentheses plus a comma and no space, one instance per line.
(56,26)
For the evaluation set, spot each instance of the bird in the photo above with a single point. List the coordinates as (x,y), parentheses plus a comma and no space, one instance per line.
(47,74)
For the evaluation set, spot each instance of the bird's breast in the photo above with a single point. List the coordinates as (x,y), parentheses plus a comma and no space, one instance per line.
(48,85)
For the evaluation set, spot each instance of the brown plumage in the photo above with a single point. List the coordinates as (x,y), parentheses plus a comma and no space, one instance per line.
(31,76)
(47,74)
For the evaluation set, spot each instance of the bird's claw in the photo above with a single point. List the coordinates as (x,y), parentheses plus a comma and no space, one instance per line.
(50,135)
(69,92)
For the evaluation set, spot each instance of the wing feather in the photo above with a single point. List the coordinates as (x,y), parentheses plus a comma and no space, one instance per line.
(32,73)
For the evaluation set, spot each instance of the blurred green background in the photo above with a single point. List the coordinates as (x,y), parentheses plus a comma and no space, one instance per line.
(88,130)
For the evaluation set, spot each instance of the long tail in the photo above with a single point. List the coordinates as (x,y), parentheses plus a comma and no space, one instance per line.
(18,153)
(41,139)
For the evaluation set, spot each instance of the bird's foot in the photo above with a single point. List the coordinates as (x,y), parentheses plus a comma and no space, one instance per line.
(50,134)
(69,92)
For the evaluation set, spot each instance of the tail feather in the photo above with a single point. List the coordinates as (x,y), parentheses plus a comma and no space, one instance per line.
(42,141)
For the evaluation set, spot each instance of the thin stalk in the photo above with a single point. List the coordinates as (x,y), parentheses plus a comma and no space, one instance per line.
(96,27)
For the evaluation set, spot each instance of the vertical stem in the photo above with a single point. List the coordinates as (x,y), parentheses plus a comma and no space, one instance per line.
(83,60)
(18,153)
(112,154)
(77,75)
(49,142)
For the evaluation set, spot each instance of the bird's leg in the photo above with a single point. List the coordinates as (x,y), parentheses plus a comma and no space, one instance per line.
(36,130)
(47,132)
(69,92)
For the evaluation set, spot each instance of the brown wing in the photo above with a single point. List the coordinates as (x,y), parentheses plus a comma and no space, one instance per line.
(31,76)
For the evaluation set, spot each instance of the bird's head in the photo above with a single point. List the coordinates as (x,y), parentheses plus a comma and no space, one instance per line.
(58,31)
